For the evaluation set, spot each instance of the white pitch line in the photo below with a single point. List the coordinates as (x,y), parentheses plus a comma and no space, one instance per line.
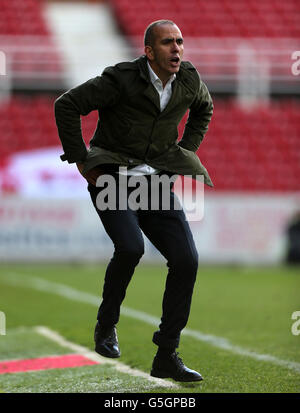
(75,295)
(123,368)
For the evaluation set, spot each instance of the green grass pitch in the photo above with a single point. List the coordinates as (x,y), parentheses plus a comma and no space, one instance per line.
(250,307)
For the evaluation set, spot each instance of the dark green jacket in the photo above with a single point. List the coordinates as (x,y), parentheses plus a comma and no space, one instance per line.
(131,129)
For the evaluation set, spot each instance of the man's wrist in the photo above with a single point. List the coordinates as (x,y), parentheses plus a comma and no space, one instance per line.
(80,166)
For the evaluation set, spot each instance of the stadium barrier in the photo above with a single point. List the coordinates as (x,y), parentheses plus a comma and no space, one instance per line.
(236,228)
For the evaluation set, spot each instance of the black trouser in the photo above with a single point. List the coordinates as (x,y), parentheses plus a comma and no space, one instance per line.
(170,233)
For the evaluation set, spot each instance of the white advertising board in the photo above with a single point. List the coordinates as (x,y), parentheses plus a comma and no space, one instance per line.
(235,228)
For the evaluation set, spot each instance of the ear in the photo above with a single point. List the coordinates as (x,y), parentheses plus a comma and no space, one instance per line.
(149,52)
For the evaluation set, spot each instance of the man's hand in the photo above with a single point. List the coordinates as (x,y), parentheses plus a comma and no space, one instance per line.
(92,175)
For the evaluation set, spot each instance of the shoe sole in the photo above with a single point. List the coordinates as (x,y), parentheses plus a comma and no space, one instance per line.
(104,353)
(164,375)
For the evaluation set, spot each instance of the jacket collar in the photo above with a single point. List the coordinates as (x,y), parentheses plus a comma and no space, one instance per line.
(150,91)
(142,65)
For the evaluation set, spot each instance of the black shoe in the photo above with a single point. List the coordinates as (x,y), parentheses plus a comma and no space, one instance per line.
(106,341)
(173,367)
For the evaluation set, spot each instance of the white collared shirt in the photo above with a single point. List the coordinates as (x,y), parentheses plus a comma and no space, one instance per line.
(165,94)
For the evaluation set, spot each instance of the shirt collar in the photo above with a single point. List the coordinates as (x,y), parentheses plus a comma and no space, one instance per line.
(154,77)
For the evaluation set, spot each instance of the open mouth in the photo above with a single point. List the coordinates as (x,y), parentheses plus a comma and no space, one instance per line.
(175,60)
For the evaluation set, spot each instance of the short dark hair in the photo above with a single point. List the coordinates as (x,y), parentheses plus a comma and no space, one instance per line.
(149,35)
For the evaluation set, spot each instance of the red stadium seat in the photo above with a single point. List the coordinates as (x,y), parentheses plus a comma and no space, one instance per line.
(268,18)
(23,26)
(247,150)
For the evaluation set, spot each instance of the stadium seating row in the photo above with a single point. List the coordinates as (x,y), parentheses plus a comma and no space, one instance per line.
(22,18)
(268,18)
(254,149)
(27,42)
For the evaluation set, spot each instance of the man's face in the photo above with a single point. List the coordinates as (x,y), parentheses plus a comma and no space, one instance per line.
(166,54)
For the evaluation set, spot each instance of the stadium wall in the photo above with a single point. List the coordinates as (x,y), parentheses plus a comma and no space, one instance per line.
(236,228)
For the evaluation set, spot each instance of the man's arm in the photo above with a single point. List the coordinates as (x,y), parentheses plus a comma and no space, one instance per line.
(200,115)
(102,91)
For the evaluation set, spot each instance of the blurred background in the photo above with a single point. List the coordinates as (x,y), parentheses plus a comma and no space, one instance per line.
(246,53)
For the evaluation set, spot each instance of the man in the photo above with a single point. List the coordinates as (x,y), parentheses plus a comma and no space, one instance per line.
(293,239)
(140,105)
